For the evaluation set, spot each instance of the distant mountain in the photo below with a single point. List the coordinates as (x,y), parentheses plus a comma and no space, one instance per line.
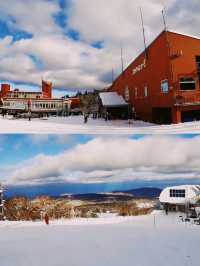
(63,191)
(99,196)
(146,192)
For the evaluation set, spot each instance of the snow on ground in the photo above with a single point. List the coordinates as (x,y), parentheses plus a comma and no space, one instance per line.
(151,240)
(75,125)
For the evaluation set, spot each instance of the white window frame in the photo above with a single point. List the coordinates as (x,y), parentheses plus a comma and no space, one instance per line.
(162,82)
(146,91)
(136,92)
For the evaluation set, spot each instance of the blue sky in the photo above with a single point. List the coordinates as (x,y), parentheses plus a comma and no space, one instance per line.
(17,148)
(75,44)
(85,163)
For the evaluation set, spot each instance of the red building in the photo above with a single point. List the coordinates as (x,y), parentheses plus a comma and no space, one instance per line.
(163,82)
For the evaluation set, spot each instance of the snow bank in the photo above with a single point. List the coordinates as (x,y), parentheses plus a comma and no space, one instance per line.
(102,220)
(75,125)
(151,240)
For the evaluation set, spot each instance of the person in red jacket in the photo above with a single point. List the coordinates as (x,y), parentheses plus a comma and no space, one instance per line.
(46,218)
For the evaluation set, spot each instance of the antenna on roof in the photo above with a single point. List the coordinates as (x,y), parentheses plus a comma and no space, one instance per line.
(164,19)
(112,75)
(122,59)
(112,71)
(143,31)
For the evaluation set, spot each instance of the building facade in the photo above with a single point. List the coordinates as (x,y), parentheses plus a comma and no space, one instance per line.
(163,83)
(179,198)
(18,101)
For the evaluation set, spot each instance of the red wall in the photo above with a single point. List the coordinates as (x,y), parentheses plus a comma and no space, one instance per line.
(156,70)
(5,88)
(185,65)
(75,103)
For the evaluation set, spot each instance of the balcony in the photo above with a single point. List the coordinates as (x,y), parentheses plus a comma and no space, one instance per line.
(187,97)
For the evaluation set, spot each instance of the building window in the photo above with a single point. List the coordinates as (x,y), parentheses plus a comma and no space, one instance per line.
(165,86)
(198,63)
(145,91)
(127,94)
(177,193)
(136,92)
(187,84)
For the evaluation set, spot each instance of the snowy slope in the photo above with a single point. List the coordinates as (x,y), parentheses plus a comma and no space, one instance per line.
(75,125)
(117,242)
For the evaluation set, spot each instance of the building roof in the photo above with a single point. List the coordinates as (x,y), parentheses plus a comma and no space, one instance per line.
(193,187)
(112,99)
(184,34)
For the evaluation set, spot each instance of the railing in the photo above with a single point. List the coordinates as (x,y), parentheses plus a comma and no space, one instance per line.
(187,97)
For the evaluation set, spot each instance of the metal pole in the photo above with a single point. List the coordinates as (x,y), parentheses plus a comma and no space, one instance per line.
(122,60)
(143,31)
(2,201)
(168,45)
(154,220)
(164,20)
(112,75)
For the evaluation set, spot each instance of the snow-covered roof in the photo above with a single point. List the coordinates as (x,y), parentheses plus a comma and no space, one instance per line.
(112,99)
(193,187)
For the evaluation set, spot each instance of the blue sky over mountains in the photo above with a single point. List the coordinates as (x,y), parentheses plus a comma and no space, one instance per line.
(76,43)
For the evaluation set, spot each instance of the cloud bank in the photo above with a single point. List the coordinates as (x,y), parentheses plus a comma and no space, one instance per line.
(112,160)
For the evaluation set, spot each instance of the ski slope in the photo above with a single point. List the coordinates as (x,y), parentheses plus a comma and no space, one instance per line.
(75,125)
(151,240)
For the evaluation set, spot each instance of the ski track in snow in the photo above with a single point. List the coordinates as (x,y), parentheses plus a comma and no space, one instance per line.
(151,240)
(75,125)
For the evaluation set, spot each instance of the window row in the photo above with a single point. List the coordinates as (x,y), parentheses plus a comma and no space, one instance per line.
(34,105)
(177,193)
(127,94)
(185,84)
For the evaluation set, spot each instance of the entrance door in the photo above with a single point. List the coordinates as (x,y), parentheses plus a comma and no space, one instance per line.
(190,116)
(162,116)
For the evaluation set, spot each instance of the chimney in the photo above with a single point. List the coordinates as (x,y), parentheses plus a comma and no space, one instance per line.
(46,89)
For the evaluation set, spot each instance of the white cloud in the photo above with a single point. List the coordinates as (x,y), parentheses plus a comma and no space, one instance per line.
(75,63)
(35,17)
(114,160)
